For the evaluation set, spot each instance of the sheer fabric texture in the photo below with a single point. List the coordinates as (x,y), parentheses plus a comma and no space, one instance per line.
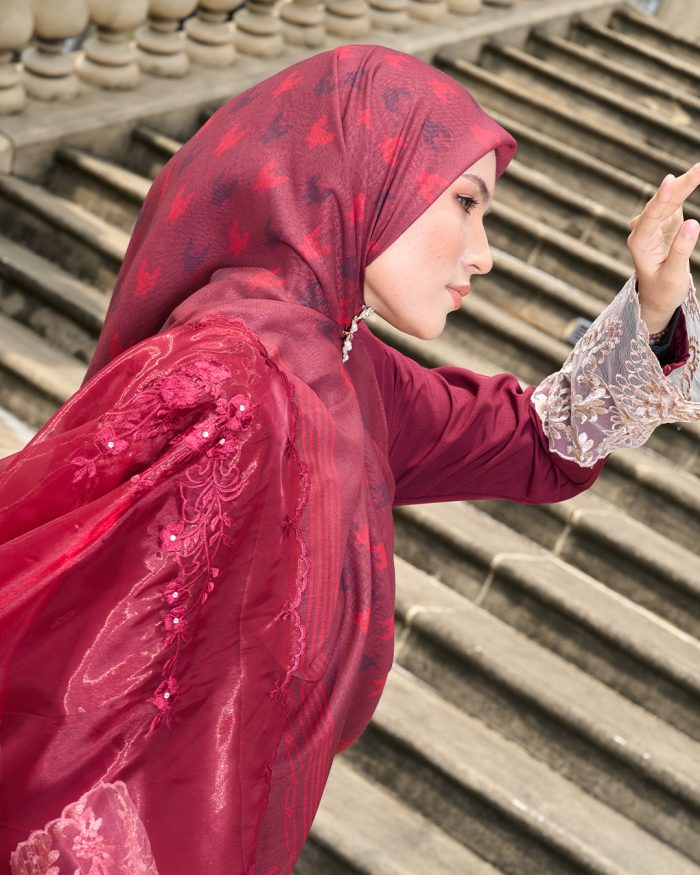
(612,391)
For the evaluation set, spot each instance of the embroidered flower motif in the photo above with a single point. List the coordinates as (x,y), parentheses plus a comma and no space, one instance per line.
(163,699)
(176,625)
(171,537)
(239,413)
(85,468)
(179,391)
(611,391)
(107,441)
(175,592)
(200,434)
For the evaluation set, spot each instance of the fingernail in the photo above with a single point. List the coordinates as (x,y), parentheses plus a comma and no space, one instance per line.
(690,229)
(667,179)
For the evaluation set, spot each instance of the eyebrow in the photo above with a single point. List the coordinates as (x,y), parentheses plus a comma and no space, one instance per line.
(485,193)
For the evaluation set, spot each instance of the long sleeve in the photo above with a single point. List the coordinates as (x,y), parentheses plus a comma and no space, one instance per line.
(458,435)
(612,391)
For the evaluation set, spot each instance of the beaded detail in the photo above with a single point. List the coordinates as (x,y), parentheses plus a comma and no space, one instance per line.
(347,335)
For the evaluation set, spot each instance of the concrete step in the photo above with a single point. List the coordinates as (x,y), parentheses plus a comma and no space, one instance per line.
(656,63)
(560,119)
(534,193)
(494,796)
(572,168)
(38,293)
(634,652)
(61,231)
(632,558)
(150,152)
(360,827)
(649,30)
(35,377)
(580,728)
(14,433)
(592,100)
(680,107)
(101,187)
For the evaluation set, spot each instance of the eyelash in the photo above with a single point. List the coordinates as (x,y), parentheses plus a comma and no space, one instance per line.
(472,202)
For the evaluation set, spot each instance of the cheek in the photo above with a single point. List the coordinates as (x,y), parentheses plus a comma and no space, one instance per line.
(443,236)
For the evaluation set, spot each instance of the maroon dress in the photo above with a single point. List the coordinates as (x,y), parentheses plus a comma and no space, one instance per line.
(197,593)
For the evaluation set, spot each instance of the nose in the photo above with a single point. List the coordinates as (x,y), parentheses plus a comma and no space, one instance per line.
(476,255)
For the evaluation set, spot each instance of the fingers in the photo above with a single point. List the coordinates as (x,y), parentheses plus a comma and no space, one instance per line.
(672,193)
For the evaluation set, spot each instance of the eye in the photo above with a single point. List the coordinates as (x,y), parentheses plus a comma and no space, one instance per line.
(468,202)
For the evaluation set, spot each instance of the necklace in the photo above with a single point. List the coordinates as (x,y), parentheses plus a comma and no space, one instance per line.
(347,335)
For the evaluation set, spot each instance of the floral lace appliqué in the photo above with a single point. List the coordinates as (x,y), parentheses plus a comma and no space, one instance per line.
(611,391)
(100,834)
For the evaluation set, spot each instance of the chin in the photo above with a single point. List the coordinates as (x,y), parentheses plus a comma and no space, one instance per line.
(427,330)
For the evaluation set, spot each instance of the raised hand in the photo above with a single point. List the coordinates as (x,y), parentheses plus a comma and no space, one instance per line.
(661,244)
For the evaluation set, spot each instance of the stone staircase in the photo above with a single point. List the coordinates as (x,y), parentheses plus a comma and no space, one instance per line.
(543,713)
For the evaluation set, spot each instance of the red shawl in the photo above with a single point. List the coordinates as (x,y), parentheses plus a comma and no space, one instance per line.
(197,597)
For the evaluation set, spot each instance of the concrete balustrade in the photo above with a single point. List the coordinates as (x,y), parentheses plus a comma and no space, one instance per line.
(18,26)
(49,61)
(210,34)
(161,45)
(109,57)
(47,50)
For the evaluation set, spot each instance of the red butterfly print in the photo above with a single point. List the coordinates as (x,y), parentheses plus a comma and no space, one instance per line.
(229,139)
(430,184)
(441,89)
(311,248)
(390,146)
(357,213)
(146,279)
(237,242)
(288,83)
(179,204)
(318,136)
(266,178)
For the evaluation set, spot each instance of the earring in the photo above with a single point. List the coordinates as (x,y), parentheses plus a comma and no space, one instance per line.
(347,335)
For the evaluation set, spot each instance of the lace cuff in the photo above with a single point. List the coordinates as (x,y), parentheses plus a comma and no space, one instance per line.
(611,391)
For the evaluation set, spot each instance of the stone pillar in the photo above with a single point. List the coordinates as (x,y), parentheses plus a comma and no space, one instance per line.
(389,14)
(427,10)
(347,18)
(681,17)
(465,7)
(210,34)
(17,28)
(303,23)
(161,46)
(109,58)
(258,29)
(49,70)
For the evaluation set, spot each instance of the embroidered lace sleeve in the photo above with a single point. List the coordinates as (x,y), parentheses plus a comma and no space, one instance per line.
(612,391)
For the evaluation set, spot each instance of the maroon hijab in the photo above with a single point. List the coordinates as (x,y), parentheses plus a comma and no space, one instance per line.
(198,598)
(293,187)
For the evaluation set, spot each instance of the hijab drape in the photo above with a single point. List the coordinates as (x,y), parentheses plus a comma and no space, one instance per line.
(198,588)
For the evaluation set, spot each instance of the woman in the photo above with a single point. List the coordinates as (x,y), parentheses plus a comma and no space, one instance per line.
(198,593)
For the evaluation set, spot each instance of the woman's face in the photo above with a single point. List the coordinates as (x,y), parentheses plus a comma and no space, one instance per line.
(408,284)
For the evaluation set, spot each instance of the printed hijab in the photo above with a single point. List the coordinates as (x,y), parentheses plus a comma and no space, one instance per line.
(296,185)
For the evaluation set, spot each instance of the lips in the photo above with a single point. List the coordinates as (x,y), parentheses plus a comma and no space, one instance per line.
(461,290)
